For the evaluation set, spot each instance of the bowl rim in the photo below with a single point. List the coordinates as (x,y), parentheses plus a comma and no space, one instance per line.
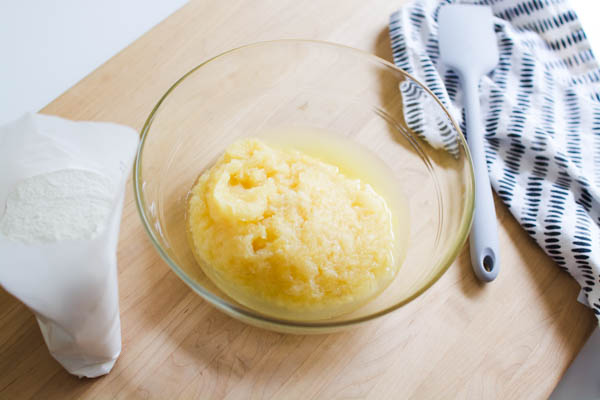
(232,309)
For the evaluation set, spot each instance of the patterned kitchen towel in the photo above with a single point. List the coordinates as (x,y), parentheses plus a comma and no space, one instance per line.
(541,111)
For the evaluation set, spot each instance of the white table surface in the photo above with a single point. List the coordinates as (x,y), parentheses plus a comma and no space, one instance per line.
(46,46)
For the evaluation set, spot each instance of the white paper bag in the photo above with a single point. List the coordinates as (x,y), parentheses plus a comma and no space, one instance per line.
(61,197)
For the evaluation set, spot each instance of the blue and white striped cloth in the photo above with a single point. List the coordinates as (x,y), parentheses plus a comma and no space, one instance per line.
(541,110)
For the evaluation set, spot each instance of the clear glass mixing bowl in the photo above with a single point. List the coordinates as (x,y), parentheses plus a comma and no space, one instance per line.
(303,84)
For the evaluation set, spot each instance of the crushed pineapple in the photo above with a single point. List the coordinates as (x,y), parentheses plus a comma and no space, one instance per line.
(288,235)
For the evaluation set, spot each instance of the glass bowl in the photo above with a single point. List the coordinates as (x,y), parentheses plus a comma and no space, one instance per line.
(294,85)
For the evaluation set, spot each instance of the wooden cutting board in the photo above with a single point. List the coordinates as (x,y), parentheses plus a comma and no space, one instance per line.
(513,338)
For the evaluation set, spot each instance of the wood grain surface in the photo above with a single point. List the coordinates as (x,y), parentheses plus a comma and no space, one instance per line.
(512,339)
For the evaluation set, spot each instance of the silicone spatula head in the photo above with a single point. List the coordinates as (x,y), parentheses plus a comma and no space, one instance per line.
(466,38)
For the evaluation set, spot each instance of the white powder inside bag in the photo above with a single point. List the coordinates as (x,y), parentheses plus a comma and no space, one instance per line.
(60,205)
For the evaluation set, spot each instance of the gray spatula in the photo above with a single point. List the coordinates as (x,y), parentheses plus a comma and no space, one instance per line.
(468,45)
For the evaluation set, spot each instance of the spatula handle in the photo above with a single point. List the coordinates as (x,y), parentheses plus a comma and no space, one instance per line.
(484,233)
